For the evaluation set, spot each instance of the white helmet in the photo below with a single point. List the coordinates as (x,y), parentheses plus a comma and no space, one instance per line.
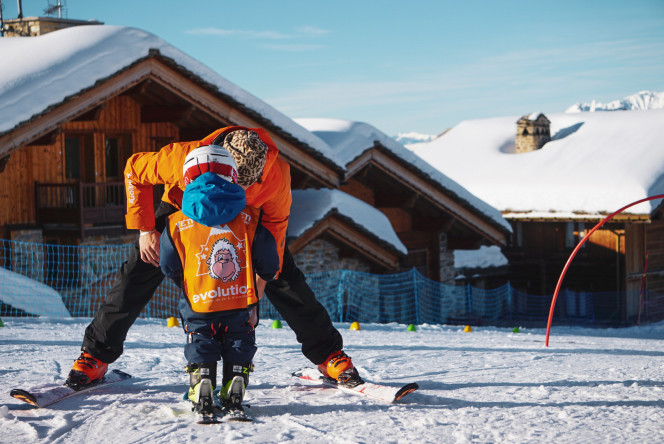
(212,159)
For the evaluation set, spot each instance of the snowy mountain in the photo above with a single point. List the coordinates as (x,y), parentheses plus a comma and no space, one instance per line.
(640,100)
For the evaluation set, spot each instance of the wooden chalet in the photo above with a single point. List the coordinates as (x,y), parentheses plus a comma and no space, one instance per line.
(62,164)
(431,215)
(553,194)
(64,143)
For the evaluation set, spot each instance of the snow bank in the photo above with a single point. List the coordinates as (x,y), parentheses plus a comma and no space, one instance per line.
(30,296)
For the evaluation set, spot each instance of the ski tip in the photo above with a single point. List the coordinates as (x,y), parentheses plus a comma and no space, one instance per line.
(120,373)
(406,389)
(237,419)
(24,396)
(208,421)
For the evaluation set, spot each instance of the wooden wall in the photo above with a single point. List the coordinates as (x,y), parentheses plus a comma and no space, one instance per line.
(539,251)
(655,249)
(45,163)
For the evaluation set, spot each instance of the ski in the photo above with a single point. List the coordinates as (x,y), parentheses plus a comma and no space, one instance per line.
(48,394)
(235,415)
(219,413)
(367,389)
(208,418)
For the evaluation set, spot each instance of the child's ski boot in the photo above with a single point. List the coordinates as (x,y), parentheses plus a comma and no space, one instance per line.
(201,387)
(231,396)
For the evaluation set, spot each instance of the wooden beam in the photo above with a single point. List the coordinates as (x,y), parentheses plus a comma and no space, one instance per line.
(434,224)
(405,201)
(47,139)
(165,113)
(91,115)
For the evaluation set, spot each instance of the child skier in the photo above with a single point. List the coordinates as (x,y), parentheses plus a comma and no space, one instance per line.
(211,249)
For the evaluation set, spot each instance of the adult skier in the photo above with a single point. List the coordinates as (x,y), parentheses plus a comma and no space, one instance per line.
(266,177)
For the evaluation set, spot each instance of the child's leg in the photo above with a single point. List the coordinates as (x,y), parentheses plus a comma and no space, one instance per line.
(202,350)
(238,348)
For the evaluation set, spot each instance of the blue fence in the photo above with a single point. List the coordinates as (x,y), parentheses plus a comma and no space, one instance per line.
(58,280)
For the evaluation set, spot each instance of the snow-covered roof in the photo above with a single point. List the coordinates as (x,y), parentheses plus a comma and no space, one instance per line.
(349,140)
(40,72)
(483,257)
(595,164)
(311,206)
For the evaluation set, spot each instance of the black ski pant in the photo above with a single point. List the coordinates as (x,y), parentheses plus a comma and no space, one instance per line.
(290,294)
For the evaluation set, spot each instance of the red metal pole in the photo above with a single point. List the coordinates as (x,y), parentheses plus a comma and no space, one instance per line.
(576,250)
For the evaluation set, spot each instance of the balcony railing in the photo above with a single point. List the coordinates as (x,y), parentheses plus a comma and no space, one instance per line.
(89,208)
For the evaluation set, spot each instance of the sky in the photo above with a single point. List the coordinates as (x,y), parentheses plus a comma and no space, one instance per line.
(490,385)
(417,66)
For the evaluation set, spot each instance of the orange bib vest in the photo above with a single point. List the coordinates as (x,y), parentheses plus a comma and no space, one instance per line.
(216,261)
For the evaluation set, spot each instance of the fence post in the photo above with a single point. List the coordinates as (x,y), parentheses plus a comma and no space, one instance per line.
(469,301)
(415,297)
(340,295)
(509,301)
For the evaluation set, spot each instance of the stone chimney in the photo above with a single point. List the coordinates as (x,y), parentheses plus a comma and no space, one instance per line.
(34,26)
(532,132)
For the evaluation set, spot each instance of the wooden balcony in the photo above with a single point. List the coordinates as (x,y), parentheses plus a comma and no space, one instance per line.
(81,209)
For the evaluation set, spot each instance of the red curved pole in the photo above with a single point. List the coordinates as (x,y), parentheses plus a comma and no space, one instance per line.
(576,250)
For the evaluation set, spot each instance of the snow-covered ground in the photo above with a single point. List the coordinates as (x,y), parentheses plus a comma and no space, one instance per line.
(489,385)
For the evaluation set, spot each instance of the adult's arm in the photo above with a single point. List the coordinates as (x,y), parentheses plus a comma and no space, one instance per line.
(143,170)
(276,210)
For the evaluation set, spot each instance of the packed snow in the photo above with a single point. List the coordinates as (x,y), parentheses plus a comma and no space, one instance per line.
(488,385)
(483,257)
(18,291)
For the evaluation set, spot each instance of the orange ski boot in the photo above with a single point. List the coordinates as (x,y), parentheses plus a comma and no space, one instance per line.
(87,370)
(338,366)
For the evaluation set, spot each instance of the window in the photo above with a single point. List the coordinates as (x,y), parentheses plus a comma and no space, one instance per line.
(72,158)
(574,232)
(117,149)
(79,157)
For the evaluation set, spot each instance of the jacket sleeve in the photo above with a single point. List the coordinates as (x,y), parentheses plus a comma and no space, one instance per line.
(276,210)
(264,254)
(169,259)
(143,170)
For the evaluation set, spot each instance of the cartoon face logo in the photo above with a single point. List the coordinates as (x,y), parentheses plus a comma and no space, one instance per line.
(223,262)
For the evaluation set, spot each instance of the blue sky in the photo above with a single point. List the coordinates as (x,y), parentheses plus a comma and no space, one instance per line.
(401,66)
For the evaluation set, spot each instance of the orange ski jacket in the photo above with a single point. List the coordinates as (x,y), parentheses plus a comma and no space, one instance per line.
(272,193)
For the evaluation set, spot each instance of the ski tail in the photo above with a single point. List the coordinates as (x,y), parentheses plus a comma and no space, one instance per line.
(24,396)
(45,395)
(406,389)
